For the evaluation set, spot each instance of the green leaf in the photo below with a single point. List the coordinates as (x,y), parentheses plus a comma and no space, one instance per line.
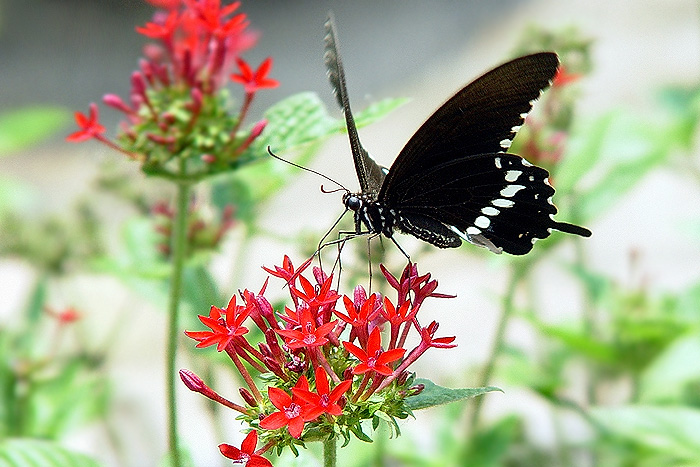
(669,374)
(639,148)
(200,292)
(357,431)
(295,121)
(584,151)
(25,452)
(34,310)
(433,395)
(377,111)
(22,128)
(674,431)
(489,446)
(579,342)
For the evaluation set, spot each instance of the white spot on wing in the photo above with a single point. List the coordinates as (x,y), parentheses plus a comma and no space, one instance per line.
(525,163)
(512,175)
(489,211)
(510,190)
(516,128)
(505,143)
(503,203)
(498,162)
(473,231)
(482,222)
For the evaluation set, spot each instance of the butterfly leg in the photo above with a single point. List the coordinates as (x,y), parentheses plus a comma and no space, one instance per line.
(322,245)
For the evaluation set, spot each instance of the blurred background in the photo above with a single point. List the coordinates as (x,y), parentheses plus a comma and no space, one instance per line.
(599,351)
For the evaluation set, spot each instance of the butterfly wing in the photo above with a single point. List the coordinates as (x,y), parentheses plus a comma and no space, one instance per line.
(453,178)
(369,173)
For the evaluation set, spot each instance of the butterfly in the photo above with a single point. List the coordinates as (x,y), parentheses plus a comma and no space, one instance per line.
(454,180)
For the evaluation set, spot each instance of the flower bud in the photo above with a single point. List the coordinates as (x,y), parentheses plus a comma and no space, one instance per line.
(274,367)
(248,397)
(116,102)
(192,381)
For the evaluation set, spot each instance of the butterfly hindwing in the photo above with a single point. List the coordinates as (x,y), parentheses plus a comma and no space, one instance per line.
(369,173)
(497,197)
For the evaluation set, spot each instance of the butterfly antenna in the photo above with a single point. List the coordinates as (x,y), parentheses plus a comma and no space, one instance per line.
(306,168)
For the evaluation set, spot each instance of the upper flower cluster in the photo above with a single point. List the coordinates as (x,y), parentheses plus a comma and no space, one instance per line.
(327,368)
(176,116)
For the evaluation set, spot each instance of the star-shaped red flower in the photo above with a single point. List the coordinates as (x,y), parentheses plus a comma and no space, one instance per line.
(309,335)
(246,453)
(287,271)
(359,316)
(324,400)
(223,329)
(89,126)
(290,414)
(374,359)
(253,81)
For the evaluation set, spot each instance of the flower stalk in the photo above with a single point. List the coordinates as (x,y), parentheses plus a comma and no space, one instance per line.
(179,243)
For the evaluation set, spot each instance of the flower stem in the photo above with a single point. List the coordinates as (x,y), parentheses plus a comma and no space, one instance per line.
(519,270)
(179,242)
(329,452)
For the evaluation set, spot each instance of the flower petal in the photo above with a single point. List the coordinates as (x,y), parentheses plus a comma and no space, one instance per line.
(274,421)
(279,398)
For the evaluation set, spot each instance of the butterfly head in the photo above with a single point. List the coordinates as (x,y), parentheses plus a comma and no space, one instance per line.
(352,201)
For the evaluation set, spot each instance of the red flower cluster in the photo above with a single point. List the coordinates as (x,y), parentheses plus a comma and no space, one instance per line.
(311,370)
(174,106)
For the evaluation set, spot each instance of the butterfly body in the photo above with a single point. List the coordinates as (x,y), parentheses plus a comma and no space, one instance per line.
(454,180)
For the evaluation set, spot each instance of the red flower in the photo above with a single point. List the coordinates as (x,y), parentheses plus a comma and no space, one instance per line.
(563,77)
(254,81)
(368,311)
(396,317)
(290,414)
(427,334)
(222,331)
(309,335)
(213,17)
(287,271)
(161,30)
(246,453)
(67,316)
(374,359)
(89,126)
(322,401)
(324,296)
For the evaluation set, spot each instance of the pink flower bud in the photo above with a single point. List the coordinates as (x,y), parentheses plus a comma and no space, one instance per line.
(116,102)
(258,128)
(192,381)
(138,84)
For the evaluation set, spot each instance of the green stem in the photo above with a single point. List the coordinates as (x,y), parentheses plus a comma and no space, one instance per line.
(179,242)
(517,273)
(329,452)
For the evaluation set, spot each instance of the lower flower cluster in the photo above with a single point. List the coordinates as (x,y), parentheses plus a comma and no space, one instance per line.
(327,368)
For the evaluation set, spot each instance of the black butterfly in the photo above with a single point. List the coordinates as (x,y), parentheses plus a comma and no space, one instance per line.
(453,180)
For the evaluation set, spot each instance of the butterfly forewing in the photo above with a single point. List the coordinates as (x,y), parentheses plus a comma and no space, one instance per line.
(481,118)
(369,173)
